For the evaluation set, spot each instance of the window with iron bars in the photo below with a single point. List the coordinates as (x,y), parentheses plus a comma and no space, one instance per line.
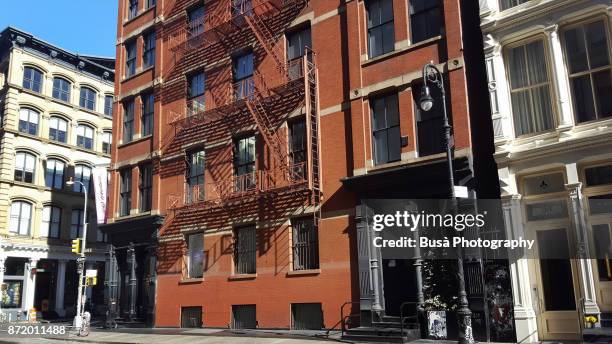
(305,244)
(297,148)
(245,250)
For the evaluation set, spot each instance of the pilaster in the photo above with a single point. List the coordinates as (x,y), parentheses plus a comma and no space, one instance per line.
(559,78)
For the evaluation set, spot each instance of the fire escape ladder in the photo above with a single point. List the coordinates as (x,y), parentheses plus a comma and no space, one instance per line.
(267,41)
(313,125)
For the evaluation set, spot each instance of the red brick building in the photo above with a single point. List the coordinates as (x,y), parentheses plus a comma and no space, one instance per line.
(249,135)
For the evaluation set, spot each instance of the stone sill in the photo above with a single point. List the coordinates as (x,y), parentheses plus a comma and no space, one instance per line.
(191,280)
(242,277)
(297,273)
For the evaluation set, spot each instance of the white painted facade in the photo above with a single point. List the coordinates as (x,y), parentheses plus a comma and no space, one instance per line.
(554,159)
(32,247)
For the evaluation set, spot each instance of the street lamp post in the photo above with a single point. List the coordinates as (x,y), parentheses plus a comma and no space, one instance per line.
(432,75)
(78,318)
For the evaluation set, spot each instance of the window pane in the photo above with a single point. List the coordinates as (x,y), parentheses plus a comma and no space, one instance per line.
(583,98)
(380,147)
(576,51)
(518,69)
(598,44)
(603,92)
(536,62)
(542,108)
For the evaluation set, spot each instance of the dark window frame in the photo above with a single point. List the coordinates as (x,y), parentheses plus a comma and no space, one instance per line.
(196,175)
(386,130)
(243,68)
(87,98)
(196,255)
(78,226)
(107,146)
(132,9)
(130,58)
(125,192)
(305,244)
(148,53)
(128,120)
(429,13)
(28,126)
(24,175)
(82,140)
(145,187)
(147,116)
(245,250)
(30,76)
(59,92)
(51,222)
(21,218)
(379,29)
(108,105)
(56,134)
(76,187)
(55,176)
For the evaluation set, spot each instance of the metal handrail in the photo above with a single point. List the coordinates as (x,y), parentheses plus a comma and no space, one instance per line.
(402,306)
(342,321)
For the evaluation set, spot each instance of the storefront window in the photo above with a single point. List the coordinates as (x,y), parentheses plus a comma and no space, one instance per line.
(11,294)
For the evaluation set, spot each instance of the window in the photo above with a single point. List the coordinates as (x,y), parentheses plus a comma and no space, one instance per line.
(51,222)
(58,128)
(21,216)
(243,76)
(602,237)
(25,166)
(82,174)
(529,88)
(85,136)
(108,105)
(54,173)
(385,129)
(144,187)
(32,79)
(195,178)
(107,139)
(244,316)
(130,58)
(296,48)
(244,163)
(88,98)
(148,103)
(61,89)
(245,250)
(125,193)
(196,21)
(197,86)
(430,124)
(76,224)
(150,3)
(588,61)
(506,4)
(599,175)
(305,244)
(241,7)
(28,121)
(128,121)
(297,147)
(148,54)
(132,9)
(195,255)
(14,292)
(425,19)
(381,36)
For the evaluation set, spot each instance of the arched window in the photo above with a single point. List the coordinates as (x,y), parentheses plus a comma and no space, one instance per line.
(108,105)
(21,217)
(28,121)
(61,89)
(51,222)
(82,173)
(88,98)
(54,173)
(32,79)
(25,167)
(85,136)
(107,139)
(58,129)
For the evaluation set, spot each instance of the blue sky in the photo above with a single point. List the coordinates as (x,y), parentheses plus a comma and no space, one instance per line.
(86,27)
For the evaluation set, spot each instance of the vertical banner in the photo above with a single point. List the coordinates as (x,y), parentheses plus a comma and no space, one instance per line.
(100,180)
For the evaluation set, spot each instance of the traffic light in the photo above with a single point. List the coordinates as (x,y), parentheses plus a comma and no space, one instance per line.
(76,246)
(91,281)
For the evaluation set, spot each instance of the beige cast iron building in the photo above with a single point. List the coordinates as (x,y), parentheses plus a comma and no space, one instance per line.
(56,119)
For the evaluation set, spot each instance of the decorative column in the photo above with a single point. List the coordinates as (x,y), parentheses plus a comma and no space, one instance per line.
(60,287)
(151,283)
(110,287)
(559,77)
(131,254)
(524,314)
(30,284)
(587,280)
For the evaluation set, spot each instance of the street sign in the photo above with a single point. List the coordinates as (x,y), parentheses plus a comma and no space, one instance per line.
(91,273)
(461,191)
(80,259)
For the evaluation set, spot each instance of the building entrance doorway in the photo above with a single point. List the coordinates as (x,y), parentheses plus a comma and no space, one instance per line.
(44,291)
(399,286)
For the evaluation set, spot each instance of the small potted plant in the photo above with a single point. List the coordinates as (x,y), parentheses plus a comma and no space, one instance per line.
(590,321)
